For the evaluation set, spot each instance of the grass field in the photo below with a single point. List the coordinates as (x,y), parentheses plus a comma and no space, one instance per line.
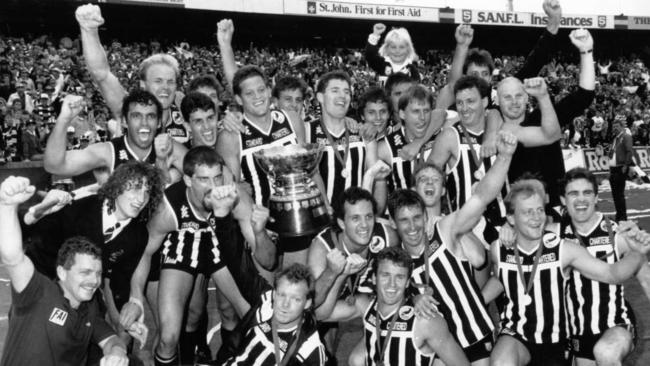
(638,201)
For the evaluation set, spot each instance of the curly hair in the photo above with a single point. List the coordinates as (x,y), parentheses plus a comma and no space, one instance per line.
(133,174)
(76,245)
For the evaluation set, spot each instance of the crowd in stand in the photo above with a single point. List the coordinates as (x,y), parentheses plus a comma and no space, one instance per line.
(439,188)
(35,73)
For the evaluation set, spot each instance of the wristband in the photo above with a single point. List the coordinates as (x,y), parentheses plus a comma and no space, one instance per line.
(139,303)
(586,52)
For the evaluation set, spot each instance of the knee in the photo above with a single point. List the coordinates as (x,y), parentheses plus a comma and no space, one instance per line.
(227,312)
(194,313)
(611,352)
(357,358)
(169,337)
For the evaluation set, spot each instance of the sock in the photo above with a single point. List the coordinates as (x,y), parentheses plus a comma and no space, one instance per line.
(200,336)
(227,348)
(160,361)
(187,347)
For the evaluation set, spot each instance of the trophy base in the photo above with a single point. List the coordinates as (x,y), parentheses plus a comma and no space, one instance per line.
(299,215)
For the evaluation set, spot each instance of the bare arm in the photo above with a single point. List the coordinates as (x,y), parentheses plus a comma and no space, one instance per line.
(442,149)
(582,40)
(225,30)
(343,311)
(57,160)
(13,192)
(324,275)
(228,148)
(90,19)
(463,220)
(550,130)
(158,226)
(493,287)
(437,337)
(576,256)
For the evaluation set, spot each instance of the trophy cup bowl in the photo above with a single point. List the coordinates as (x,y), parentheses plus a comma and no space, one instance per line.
(296,204)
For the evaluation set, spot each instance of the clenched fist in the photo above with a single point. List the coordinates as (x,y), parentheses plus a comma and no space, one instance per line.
(581,38)
(225,30)
(89,17)
(536,87)
(506,143)
(464,35)
(15,190)
(378,29)
(164,146)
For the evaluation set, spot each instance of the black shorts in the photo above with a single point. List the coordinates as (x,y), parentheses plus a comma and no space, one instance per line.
(154,268)
(295,244)
(480,350)
(542,354)
(583,346)
(198,257)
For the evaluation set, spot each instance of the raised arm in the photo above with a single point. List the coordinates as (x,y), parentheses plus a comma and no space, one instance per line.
(90,19)
(374,60)
(464,36)
(229,149)
(57,160)
(442,149)
(541,53)
(464,220)
(582,40)
(13,192)
(493,287)
(225,30)
(549,131)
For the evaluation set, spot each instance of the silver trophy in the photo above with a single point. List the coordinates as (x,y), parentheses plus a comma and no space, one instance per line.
(296,204)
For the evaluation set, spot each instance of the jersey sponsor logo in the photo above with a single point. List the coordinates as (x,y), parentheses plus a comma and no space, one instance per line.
(58,316)
(603,226)
(123,155)
(170,260)
(184,212)
(191,225)
(601,240)
(400,326)
(406,312)
(398,140)
(377,243)
(113,257)
(548,258)
(550,240)
(254,142)
(281,133)
(278,116)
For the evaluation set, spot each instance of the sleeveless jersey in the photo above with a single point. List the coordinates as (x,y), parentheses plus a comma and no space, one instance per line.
(459,297)
(593,306)
(379,240)
(178,129)
(460,176)
(544,319)
(401,351)
(192,232)
(258,348)
(280,133)
(122,153)
(402,170)
(330,167)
